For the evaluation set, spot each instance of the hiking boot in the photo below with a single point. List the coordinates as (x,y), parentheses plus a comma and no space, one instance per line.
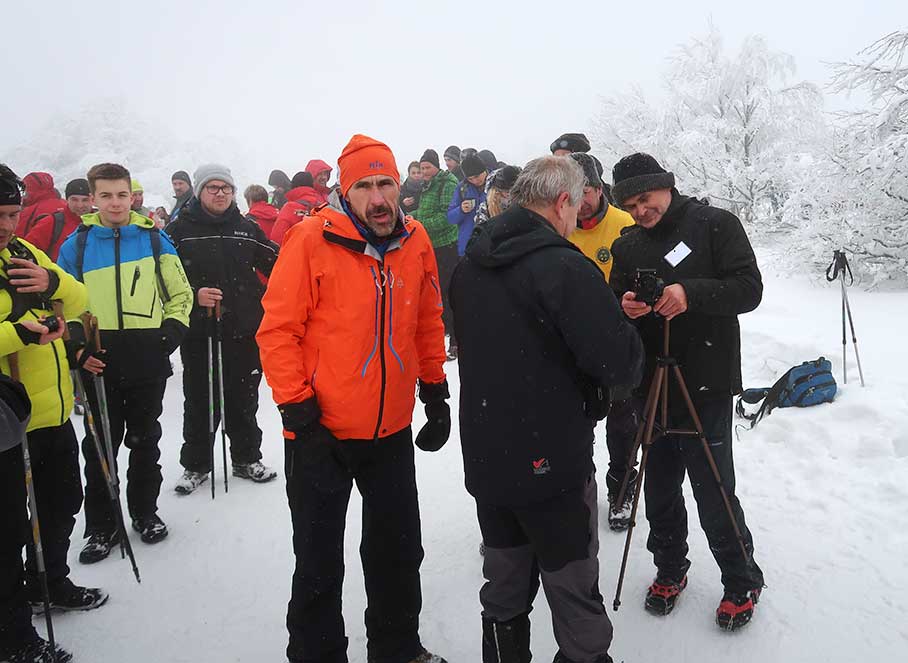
(452,351)
(151,528)
(428,657)
(619,515)
(38,651)
(254,472)
(736,610)
(190,480)
(98,546)
(662,595)
(67,597)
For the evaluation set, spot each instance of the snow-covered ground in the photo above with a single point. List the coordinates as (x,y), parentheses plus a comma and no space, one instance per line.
(825,491)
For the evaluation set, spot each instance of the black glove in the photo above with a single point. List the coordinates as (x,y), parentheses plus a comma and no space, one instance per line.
(304,435)
(172,334)
(435,433)
(101,355)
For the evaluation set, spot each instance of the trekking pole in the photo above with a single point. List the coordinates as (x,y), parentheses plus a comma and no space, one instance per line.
(838,270)
(13,360)
(212,434)
(218,333)
(94,333)
(108,480)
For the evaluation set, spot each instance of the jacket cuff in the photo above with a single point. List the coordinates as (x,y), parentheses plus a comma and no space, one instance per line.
(433,393)
(53,283)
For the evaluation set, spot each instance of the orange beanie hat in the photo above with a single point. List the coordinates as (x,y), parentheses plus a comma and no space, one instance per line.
(362,157)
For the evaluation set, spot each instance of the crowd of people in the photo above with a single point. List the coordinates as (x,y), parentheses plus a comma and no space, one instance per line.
(350,298)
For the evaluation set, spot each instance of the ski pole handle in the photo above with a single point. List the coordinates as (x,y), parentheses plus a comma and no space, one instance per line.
(217,310)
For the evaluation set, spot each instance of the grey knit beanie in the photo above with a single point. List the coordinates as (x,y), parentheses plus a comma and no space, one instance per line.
(208,172)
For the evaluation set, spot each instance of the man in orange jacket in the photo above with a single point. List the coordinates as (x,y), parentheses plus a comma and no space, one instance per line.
(352,322)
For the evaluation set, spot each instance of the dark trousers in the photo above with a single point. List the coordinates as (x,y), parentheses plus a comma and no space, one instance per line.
(446,257)
(133,411)
(559,540)
(242,376)
(669,459)
(55,471)
(620,431)
(320,477)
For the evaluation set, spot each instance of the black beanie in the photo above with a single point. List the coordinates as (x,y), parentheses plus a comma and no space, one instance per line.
(181,175)
(77,187)
(590,172)
(488,158)
(472,166)
(638,173)
(302,178)
(504,178)
(453,152)
(572,142)
(10,186)
(430,156)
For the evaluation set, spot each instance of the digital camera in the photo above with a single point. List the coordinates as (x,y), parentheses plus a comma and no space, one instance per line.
(647,286)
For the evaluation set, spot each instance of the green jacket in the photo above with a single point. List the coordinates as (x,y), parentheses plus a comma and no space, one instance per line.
(433,209)
(43,369)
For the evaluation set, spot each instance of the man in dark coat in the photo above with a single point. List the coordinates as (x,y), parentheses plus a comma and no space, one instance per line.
(221,251)
(531,393)
(705,259)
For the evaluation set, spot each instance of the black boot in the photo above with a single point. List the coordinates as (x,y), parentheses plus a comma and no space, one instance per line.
(38,651)
(506,642)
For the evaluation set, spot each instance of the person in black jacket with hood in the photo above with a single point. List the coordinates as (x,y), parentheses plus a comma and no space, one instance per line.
(705,259)
(541,339)
(221,251)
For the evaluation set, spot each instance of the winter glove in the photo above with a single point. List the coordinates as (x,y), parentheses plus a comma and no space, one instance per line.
(304,435)
(435,433)
(100,355)
(172,334)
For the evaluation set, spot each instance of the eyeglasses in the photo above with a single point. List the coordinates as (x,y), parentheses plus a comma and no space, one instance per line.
(214,189)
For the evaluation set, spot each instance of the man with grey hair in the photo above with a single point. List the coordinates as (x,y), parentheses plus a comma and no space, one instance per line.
(530,396)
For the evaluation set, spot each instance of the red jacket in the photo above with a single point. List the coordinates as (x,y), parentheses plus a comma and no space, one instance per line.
(42,232)
(40,198)
(264,214)
(351,329)
(315,167)
(299,201)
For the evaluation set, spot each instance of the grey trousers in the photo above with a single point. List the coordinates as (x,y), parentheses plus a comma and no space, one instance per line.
(557,540)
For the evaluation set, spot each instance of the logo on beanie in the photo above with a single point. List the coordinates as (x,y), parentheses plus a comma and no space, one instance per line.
(376,165)
(603,255)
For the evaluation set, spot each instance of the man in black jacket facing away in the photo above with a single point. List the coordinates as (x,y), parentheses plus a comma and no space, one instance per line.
(705,259)
(542,338)
(221,251)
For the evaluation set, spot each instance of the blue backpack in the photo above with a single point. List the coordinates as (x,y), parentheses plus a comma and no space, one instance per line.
(811,383)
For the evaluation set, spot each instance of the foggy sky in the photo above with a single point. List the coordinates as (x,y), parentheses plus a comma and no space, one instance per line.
(290,81)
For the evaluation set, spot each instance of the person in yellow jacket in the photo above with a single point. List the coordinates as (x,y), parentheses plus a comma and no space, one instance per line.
(599,224)
(31,343)
(140,294)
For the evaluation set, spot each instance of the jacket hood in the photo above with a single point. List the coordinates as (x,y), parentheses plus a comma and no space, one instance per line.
(135,219)
(513,234)
(317,166)
(38,187)
(304,194)
(263,211)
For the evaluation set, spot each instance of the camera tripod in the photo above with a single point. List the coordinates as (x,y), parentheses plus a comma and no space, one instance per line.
(837,270)
(647,433)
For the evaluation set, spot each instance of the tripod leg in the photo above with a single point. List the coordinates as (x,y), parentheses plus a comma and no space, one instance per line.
(651,398)
(712,461)
(646,427)
(854,338)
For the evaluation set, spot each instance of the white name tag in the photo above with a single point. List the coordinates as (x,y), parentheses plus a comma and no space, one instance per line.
(677,254)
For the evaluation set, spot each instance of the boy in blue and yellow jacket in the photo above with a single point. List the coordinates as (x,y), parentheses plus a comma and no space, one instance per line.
(139,292)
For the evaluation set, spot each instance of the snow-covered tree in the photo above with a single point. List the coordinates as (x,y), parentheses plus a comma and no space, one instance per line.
(861,190)
(728,124)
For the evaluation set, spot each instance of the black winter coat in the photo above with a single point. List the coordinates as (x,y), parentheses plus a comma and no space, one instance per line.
(410,189)
(721,279)
(536,326)
(224,252)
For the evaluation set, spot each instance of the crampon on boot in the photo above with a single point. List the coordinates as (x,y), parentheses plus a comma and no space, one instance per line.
(662,595)
(736,610)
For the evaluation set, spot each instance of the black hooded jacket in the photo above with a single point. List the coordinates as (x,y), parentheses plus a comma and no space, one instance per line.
(410,189)
(224,252)
(721,279)
(536,326)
